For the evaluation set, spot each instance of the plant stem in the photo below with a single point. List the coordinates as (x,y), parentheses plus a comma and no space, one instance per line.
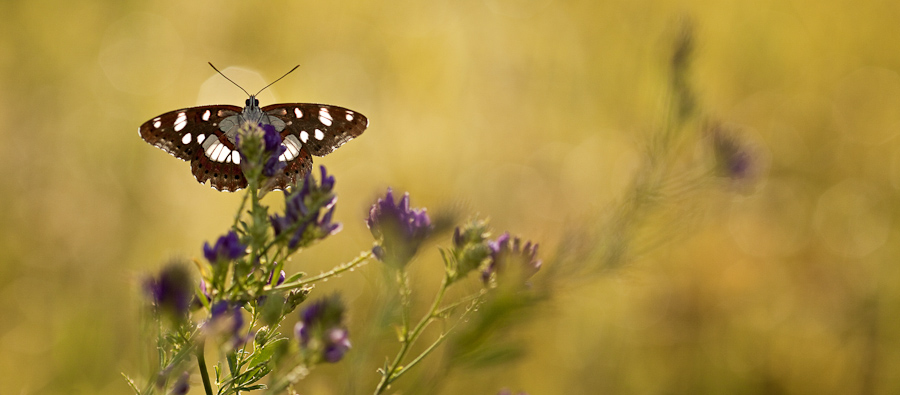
(237,216)
(390,375)
(333,272)
(201,361)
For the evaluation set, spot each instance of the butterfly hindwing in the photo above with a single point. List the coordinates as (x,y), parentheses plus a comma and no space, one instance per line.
(295,171)
(223,176)
(320,128)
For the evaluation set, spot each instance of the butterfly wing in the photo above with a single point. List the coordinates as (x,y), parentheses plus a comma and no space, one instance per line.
(189,133)
(194,134)
(318,128)
(295,171)
(178,132)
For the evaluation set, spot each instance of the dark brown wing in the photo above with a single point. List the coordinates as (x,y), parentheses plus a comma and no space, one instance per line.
(177,132)
(295,171)
(223,176)
(182,134)
(320,128)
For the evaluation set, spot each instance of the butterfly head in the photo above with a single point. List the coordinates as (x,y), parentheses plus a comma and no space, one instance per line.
(251,102)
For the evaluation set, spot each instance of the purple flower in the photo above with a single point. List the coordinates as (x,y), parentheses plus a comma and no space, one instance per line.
(271,138)
(227,320)
(273,164)
(303,218)
(273,149)
(321,329)
(735,158)
(509,254)
(227,248)
(399,228)
(260,147)
(280,278)
(182,385)
(171,291)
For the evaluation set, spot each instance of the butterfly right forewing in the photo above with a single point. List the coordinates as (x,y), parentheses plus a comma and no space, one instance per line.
(320,128)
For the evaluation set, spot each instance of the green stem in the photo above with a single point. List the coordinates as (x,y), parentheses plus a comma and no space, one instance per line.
(237,216)
(467,299)
(333,272)
(394,371)
(201,361)
(405,302)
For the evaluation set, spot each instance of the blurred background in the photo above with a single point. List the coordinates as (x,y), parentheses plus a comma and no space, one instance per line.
(540,114)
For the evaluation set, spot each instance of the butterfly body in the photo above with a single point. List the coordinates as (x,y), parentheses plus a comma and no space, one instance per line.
(207,135)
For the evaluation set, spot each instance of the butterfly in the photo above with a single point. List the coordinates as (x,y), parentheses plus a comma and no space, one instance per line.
(206,135)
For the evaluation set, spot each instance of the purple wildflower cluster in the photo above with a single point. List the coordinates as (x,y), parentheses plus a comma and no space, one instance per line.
(399,228)
(260,146)
(509,254)
(227,248)
(171,291)
(226,319)
(302,219)
(273,148)
(321,329)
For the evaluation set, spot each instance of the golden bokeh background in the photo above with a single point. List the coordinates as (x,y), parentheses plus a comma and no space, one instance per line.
(532,112)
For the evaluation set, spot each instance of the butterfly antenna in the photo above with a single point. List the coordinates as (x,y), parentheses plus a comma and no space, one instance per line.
(229,79)
(279,79)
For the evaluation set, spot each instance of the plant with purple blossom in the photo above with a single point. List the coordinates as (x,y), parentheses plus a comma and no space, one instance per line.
(400,230)
(243,297)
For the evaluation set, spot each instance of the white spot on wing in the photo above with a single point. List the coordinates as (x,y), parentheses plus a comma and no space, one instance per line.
(290,153)
(180,122)
(235,157)
(319,134)
(304,136)
(298,113)
(325,116)
(157,123)
(349,115)
(213,151)
(200,138)
(290,148)
(223,156)
(186,139)
(206,115)
(291,141)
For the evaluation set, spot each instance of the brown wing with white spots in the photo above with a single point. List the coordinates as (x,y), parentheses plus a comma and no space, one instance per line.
(179,132)
(319,128)
(295,171)
(223,176)
(183,133)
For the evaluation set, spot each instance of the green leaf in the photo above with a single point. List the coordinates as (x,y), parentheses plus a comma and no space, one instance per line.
(266,352)
(295,277)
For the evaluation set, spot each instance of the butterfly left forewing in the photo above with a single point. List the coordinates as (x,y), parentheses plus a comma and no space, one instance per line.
(182,132)
(320,128)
